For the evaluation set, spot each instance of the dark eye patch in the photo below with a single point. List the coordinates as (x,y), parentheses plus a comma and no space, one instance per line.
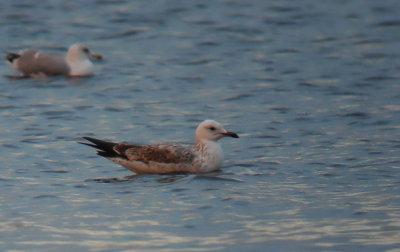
(212,128)
(86,50)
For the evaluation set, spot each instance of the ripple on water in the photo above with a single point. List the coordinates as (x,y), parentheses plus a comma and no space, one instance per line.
(237,97)
(356,114)
(122,34)
(54,171)
(388,23)
(38,139)
(45,196)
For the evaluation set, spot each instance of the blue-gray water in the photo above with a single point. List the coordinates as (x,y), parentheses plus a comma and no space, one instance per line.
(312,88)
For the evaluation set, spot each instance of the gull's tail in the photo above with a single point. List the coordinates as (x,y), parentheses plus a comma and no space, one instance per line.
(105,149)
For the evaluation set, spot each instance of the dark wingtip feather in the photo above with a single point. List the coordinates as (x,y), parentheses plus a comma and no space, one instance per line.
(12,56)
(106,154)
(88,144)
(105,149)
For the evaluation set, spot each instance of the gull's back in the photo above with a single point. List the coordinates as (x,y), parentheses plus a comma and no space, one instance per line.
(33,62)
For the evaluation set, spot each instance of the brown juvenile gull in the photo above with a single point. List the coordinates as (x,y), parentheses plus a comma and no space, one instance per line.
(33,63)
(205,156)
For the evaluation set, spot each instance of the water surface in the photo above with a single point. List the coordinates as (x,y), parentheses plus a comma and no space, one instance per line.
(311,87)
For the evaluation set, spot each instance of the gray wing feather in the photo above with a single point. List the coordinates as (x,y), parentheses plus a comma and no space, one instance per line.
(47,63)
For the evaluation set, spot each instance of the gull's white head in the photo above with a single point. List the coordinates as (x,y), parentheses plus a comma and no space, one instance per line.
(78,52)
(212,131)
(78,58)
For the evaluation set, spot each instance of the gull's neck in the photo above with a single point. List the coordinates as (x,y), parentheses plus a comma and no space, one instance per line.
(80,66)
(79,63)
(210,154)
(202,142)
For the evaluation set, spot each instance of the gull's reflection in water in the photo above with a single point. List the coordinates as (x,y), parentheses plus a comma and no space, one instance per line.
(167,179)
(144,178)
(217,175)
(15,77)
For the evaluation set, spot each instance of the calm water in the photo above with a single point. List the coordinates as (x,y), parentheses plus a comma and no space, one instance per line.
(312,88)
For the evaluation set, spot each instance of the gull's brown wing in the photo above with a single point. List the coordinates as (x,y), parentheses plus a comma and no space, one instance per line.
(159,153)
(34,62)
(150,153)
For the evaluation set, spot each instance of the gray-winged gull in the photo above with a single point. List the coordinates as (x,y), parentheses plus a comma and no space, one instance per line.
(205,156)
(33,63)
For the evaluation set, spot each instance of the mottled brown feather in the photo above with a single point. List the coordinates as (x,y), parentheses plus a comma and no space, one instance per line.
(121,148)
(160,153)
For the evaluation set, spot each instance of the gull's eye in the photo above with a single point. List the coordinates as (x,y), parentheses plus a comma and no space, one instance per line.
(86,50)
(212,128)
